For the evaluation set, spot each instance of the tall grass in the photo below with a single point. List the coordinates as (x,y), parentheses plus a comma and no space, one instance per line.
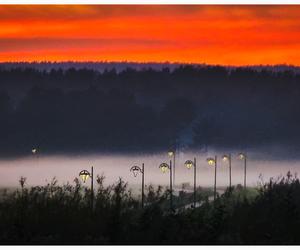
(55,214)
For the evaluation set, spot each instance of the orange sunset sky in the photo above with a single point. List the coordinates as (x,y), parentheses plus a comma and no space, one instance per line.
(228,34)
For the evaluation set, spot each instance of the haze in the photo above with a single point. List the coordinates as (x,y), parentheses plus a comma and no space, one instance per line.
(40,170)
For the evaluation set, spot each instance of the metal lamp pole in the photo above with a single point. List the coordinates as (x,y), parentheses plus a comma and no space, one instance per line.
(172,154)
(189,164)
(143,184)
(215,186)
(164,168)
(84,174)
(171,186)
(228,158)
(213,162)
(92,188)
(35,152)
(230,171)
(135,170)
(243,156)
(245,172)
(195,172)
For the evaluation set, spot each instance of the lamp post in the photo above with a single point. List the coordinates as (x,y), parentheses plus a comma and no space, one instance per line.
(164,168)
(227,158)
(35,152)
(172,154)
(135,170)
(243,156)
(213,162)
(84,175)
(189,164)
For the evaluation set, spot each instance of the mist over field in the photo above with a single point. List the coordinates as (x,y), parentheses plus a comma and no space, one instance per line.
(40,170)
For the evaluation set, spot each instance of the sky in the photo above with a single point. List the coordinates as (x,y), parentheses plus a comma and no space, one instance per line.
(219,34)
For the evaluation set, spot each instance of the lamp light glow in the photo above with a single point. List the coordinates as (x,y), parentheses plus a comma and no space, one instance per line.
(211,161)
(135,170)
(225,158)
(241,156)
(164,167)
(170,153)
(84,175)
(189,164)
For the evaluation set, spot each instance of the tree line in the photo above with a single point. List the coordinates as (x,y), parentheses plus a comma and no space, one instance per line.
(84,110)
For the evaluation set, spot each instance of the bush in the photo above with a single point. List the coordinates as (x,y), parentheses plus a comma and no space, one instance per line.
(53,214)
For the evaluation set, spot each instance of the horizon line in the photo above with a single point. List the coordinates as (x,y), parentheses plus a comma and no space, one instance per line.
(151,62)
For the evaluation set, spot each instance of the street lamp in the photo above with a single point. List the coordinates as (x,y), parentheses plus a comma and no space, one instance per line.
(189,164)
(243,156)
(227,158)
(35,153)
(172,154)
(135,170)
(213,162)
(85,175)
(164,167)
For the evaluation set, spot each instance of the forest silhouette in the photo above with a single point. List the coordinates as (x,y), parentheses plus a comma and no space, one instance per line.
(85,110)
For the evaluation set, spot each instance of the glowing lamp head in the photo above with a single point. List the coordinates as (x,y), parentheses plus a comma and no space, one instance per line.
(170,153)
(135,170)
(34,150)
(189,164)
(84,175)
(241,156)
(164,167)
(211,161)
(225,158)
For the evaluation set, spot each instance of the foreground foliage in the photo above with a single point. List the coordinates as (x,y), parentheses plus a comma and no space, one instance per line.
(54,214)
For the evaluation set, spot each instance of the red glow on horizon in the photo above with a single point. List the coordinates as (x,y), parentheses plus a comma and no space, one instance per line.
(228,35)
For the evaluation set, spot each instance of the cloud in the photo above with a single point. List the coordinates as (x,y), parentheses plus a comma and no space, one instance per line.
(231,34)
(36,44)
(88,12)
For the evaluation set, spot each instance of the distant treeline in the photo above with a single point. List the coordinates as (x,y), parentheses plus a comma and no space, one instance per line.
(84,110)
(122,65)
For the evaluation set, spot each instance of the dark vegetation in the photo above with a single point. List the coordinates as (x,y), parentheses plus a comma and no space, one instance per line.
(84,110)
(55,214)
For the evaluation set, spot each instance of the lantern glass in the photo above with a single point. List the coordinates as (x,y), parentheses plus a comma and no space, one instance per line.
(135,170)
(211,161)
(225,158)
(170,153)
(189,164)
(84,175)
(164,167)
(241,156)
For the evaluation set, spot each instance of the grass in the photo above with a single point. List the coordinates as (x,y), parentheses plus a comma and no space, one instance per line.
(54,214)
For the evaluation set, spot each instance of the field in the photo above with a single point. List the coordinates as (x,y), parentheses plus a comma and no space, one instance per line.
(54,214)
